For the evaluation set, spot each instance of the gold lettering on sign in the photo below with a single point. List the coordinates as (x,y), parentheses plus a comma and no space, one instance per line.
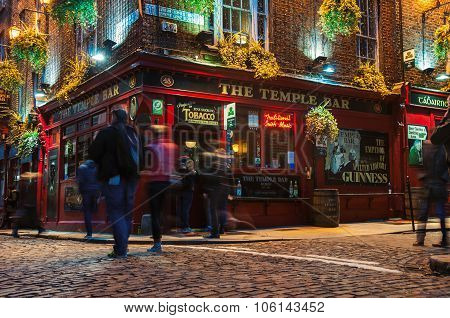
(236,90)
(248,91)
(264,92)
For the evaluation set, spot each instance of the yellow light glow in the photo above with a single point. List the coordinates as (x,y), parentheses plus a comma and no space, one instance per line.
(191,144)
(14,32)
(235,148)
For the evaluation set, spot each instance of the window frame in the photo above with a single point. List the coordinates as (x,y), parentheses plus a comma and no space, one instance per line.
(367,36)
(218,20)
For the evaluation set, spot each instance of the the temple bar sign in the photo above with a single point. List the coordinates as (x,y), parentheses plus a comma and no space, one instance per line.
(427,100)
(281,95)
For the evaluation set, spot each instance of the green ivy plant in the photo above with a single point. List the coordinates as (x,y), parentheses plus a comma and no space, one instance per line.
(81,12)
(77,69)
(10,76)
(339,17)
(30,46)
(441,42)
(367,76)
(204,7)
(28,143)
(320,123)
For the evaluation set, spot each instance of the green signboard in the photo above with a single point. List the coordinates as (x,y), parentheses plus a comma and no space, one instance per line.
(427,100)
(157,107)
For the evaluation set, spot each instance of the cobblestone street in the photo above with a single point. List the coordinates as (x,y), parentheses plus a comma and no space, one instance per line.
(364,266)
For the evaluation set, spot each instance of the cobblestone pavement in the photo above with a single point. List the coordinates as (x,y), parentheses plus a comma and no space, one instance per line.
(365,266)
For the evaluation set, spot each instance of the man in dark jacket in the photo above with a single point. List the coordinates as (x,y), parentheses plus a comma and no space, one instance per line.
(116,152)
(434,180)
(441,135)
(89,188)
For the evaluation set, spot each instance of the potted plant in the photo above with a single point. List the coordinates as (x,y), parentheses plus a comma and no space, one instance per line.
(10,76)
(81,12)
(339,17)
(321,124)
(30,46)
(441,42)
(367,76)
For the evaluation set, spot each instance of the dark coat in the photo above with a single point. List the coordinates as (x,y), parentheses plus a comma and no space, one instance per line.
(435,177)
(112,154)
(441,136)
(87,177)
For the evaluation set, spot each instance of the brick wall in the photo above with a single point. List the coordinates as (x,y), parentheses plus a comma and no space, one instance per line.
(412,38)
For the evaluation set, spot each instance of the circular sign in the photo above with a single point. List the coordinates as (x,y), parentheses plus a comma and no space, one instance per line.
(133,107)
(377,108)
(167,80)
(132,82)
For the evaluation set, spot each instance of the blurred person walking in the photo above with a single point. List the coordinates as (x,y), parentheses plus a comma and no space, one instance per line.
(435,179)
(186,193)
(159,172)
(89,188)
(441,135)
(219,184)
(116,152)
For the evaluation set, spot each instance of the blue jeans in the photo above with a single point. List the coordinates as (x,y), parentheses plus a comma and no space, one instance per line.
(89,207)
(423,218)
(119,207)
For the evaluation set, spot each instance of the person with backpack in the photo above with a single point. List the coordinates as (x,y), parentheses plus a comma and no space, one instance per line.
(116,152)
(89,188)
(441,135)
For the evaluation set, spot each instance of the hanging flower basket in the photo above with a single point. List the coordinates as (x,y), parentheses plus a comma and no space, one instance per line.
(10,76)
(77,69)
(262,61)
(320,123)
(441,42)
(30,46)
(204,7)
(81,12)
(28,143)
(251,56)
(368,77)
(339,17)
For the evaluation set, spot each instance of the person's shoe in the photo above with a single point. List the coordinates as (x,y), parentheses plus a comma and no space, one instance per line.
(16,235)
(186,230)
(418,243)
(156,248)
(41,230)
(441,245)
(88,237)
(207,229)
(113,254)
(212,236)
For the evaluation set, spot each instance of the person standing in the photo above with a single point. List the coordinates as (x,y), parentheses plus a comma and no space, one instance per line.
(186,193)
(219,184)
(435,179)
(89,188)
(159,172)
(116,152)
(441,135)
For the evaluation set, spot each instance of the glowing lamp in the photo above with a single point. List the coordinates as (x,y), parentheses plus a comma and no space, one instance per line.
(235,148)
(329,68)
(191,144)
(14,32)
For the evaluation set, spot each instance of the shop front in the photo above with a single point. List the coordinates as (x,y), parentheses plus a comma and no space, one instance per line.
(258,124)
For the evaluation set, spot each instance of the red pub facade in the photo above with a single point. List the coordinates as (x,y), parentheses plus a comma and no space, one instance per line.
(272,160)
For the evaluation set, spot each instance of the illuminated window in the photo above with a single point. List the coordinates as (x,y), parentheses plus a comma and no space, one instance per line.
(249,17)
(247,139)
(366,39)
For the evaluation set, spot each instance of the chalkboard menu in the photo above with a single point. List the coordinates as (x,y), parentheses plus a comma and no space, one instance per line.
(268,186)
(358,157)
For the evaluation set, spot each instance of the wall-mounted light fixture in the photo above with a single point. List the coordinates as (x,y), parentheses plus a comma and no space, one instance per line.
(14,32)
(329,68)
(442,77)
(428,71)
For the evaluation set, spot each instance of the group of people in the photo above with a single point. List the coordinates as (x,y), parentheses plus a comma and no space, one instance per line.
(435,177)
(116,161)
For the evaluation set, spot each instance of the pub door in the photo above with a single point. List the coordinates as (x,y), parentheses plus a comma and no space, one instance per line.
(52,185)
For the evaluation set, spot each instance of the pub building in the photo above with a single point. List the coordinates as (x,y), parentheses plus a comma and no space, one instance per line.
(259,123)
(424,109)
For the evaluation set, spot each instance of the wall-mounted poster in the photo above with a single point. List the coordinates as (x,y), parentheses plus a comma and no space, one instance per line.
(416,136)
(358,157)
(72,199)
